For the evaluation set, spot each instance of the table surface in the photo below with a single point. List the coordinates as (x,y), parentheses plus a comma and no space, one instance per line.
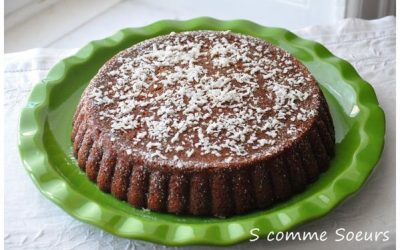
(32,221)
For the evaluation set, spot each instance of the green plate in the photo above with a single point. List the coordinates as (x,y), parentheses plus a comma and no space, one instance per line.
(45,146)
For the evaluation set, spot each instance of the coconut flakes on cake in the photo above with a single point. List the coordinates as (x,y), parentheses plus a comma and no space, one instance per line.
(168,94)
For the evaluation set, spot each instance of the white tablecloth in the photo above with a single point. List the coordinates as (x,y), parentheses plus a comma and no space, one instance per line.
(32,221)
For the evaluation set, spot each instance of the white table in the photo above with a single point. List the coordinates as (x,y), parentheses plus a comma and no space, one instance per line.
(32,221)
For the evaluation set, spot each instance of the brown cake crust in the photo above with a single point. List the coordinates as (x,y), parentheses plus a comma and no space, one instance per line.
(212,187)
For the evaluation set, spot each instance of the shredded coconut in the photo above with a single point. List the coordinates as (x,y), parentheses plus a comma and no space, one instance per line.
(205,94)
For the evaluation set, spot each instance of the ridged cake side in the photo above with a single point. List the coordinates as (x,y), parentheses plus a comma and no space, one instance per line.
(218,192)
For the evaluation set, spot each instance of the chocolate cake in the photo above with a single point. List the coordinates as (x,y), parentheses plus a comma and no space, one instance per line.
(203,123)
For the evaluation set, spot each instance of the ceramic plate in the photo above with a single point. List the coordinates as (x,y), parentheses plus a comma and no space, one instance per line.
(45,146)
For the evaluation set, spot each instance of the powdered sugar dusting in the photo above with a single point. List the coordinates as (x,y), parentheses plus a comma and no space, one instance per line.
(213,95)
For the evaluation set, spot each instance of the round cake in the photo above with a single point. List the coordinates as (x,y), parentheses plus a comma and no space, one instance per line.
(203,123)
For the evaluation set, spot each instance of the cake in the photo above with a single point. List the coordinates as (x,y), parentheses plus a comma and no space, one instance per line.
(204,123)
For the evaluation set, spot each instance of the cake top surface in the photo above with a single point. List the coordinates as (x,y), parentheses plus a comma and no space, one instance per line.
(203,98)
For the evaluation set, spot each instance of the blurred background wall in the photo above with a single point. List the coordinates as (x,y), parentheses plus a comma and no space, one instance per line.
(72,23)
